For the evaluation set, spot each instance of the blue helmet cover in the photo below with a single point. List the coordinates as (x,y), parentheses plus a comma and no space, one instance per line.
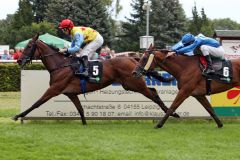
(187,38)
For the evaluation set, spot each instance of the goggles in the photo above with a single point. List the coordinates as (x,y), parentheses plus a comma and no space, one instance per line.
(64,29)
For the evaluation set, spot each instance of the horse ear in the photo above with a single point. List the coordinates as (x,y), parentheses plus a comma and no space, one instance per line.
(153,47)
(150,47)
(35,37)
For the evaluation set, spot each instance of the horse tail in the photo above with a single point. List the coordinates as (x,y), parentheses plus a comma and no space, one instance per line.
(157,76)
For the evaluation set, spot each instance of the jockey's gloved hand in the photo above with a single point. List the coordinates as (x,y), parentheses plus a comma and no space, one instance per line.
(62,50)
(169,54)
(66,54)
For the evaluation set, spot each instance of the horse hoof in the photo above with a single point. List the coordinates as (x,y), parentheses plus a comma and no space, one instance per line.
(15,118)
(158,126)
(175,115)
(220,126)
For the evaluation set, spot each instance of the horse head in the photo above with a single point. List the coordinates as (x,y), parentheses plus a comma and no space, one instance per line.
(29,52)
(148,60)
(36,49)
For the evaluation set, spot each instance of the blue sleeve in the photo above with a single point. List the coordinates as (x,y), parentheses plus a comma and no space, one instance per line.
(76,43)
(191,47)
(177,46)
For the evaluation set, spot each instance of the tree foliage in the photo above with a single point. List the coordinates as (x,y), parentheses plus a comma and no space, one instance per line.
(24,14)
(133,29)
(26,32)
(225,24)
(90,13)
(168,22)
(39,9)
(21,25)
(200,23)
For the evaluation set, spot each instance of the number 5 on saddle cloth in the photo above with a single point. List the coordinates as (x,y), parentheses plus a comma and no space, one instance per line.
(95,70)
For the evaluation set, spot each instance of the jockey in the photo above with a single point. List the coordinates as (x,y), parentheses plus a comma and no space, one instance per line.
(208,46)
(80,35)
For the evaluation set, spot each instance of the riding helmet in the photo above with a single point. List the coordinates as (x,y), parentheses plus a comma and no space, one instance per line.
(187,38)
(66,23)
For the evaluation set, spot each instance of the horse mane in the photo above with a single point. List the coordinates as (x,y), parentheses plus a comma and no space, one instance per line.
(51,46)
(165,51)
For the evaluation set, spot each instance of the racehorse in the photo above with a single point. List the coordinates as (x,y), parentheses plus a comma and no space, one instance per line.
(189,77)
(63,80)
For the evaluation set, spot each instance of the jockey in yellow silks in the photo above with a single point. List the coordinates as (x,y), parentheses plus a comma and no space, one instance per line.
(80,35)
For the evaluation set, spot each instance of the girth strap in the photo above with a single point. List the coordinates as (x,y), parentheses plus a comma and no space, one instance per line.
(208,86)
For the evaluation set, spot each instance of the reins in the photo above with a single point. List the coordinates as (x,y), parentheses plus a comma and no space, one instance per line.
(43,57)
(165,58)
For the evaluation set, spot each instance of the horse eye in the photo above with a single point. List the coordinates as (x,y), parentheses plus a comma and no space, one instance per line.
(145,58)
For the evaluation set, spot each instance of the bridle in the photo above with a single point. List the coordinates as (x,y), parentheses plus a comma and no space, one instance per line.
(33,50)
(30,57)
(152,54)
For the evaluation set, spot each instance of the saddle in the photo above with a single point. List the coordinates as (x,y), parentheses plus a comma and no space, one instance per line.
(95,70)
(223,72)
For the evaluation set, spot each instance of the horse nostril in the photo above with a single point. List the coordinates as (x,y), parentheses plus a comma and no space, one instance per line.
(136,74)
(19,62)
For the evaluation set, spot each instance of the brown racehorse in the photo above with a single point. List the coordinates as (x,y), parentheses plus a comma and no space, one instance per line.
(63,80)
(189,77)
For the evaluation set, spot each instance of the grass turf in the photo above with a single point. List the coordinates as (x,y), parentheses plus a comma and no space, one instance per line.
(182,139)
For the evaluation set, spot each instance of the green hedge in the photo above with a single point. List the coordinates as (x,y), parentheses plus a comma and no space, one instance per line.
(10,75)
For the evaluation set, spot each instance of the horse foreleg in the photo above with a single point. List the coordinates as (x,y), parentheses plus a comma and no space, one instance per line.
(151,93)
(46,96)
(181,96)
(205,103)
(74,98)
(154,97)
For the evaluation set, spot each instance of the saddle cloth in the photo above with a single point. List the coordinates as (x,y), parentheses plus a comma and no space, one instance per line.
(95,70)
(223,70)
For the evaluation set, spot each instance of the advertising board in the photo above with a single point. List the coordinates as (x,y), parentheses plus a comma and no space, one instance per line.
(112,102)
(232,48)
(227,103)
(2,48)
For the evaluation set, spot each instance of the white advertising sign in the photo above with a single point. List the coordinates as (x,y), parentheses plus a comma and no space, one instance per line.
(3,47)
(146,41)
(112,102)
(232,48)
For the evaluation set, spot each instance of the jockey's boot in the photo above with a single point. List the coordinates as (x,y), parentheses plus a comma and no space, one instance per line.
(85,66)
(209,69)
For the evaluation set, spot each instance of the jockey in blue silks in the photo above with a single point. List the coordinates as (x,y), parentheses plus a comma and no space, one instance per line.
(208,46)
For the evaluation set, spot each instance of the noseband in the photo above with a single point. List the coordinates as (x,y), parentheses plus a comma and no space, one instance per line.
(31,55)
(33,50)
(149,62)
(163,61)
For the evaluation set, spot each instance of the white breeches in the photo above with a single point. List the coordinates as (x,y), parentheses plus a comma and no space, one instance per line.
(212,51)
(91,47)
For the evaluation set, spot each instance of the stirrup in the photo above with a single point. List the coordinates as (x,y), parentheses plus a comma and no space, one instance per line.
(207,72)
(84,74)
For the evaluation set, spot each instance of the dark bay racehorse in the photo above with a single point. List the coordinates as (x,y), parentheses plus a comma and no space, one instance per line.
(189,77)
(63,80)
